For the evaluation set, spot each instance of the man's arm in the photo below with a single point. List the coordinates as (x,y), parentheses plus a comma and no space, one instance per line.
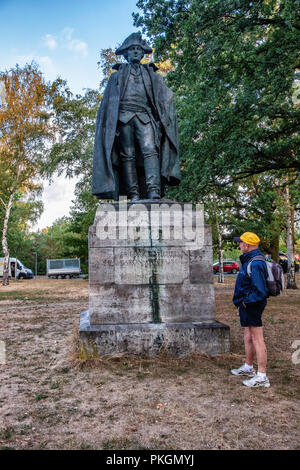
(259,290)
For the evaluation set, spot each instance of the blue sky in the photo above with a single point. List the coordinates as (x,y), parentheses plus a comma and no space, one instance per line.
(64,37)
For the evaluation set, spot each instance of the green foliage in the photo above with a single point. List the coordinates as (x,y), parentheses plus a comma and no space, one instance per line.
(230,251)
(27,127)
(236,82)
(234,78)
(23,212)
(74,155)
(55,242)
(76,119)
(232,65)
(67,237)
(108,59)
(82,217)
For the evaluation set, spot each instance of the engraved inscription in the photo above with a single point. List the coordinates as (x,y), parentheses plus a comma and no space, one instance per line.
(141,265)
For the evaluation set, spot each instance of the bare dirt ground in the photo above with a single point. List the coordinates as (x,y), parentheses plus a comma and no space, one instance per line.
(49,399)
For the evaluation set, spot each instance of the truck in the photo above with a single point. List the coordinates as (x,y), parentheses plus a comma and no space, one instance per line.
(63,268)
(21,273)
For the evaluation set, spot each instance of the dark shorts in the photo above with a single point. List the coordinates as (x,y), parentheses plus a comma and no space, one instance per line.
(251,316)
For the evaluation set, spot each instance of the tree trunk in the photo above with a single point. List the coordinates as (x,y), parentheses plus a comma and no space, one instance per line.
(220,243)
(220,254)
(5,281)
(291,277)
(274,248)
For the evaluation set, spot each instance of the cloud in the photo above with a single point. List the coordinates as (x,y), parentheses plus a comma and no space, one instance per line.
(25,59)
(74,45)
(45,61)
(67,33)
(50,42)
(80,47)
(57,199)
(65,40)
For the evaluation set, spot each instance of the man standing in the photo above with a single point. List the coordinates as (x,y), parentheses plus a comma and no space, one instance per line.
(136,139)
(250,296)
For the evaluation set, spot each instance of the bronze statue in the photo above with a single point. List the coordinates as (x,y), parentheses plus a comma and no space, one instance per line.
(136,139)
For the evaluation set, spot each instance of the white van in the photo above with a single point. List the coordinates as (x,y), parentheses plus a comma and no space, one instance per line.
(22,271)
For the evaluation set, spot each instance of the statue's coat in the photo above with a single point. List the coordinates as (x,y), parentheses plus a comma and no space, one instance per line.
(106,181)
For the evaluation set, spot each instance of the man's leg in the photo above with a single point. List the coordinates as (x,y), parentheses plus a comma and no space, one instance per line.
(247,368)
(249,346)
(146,141)
(127,160)
(260,347)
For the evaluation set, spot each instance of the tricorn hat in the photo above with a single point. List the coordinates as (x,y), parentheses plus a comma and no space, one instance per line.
(135,39)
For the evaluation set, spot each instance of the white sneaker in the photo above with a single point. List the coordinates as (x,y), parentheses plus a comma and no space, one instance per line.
(243,371)
(257,381)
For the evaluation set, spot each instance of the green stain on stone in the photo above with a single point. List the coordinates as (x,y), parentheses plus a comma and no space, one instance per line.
(89,352)
(154,286)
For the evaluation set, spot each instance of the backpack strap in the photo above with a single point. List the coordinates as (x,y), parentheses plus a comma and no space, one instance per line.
(256,258)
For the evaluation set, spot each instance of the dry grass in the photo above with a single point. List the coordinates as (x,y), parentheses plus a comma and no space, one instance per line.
(50,399)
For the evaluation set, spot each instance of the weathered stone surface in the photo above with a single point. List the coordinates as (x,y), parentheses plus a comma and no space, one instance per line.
(148,279)
(160,223)
(178,339)
(101,266)
(113,304)
(181,303)
(147,290)
(203,256)
(145,265)
(200,275)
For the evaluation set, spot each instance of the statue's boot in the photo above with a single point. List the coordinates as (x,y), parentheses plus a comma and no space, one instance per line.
(152,173)
(131,180)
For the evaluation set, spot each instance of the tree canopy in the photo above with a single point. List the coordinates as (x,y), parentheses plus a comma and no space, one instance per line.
(236,64)
(27,125)
(233,66)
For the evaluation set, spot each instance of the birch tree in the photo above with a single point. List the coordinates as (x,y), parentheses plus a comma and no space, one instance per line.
(25,129)
(291,277)
(220,242)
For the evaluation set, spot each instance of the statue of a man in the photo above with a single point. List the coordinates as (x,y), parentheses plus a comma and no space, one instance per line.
(136,140)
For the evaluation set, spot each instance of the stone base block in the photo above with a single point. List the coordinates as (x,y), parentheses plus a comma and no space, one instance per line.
(142,269)
(178,339)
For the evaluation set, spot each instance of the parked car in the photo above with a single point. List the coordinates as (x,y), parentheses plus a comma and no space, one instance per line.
(229,266)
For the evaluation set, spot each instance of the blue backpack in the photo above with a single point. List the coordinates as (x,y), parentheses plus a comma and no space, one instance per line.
(275,279)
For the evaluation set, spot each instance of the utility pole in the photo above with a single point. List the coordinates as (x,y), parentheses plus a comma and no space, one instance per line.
(35,263)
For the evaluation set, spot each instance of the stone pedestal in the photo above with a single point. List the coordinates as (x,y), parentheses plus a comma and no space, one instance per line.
(150,282)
